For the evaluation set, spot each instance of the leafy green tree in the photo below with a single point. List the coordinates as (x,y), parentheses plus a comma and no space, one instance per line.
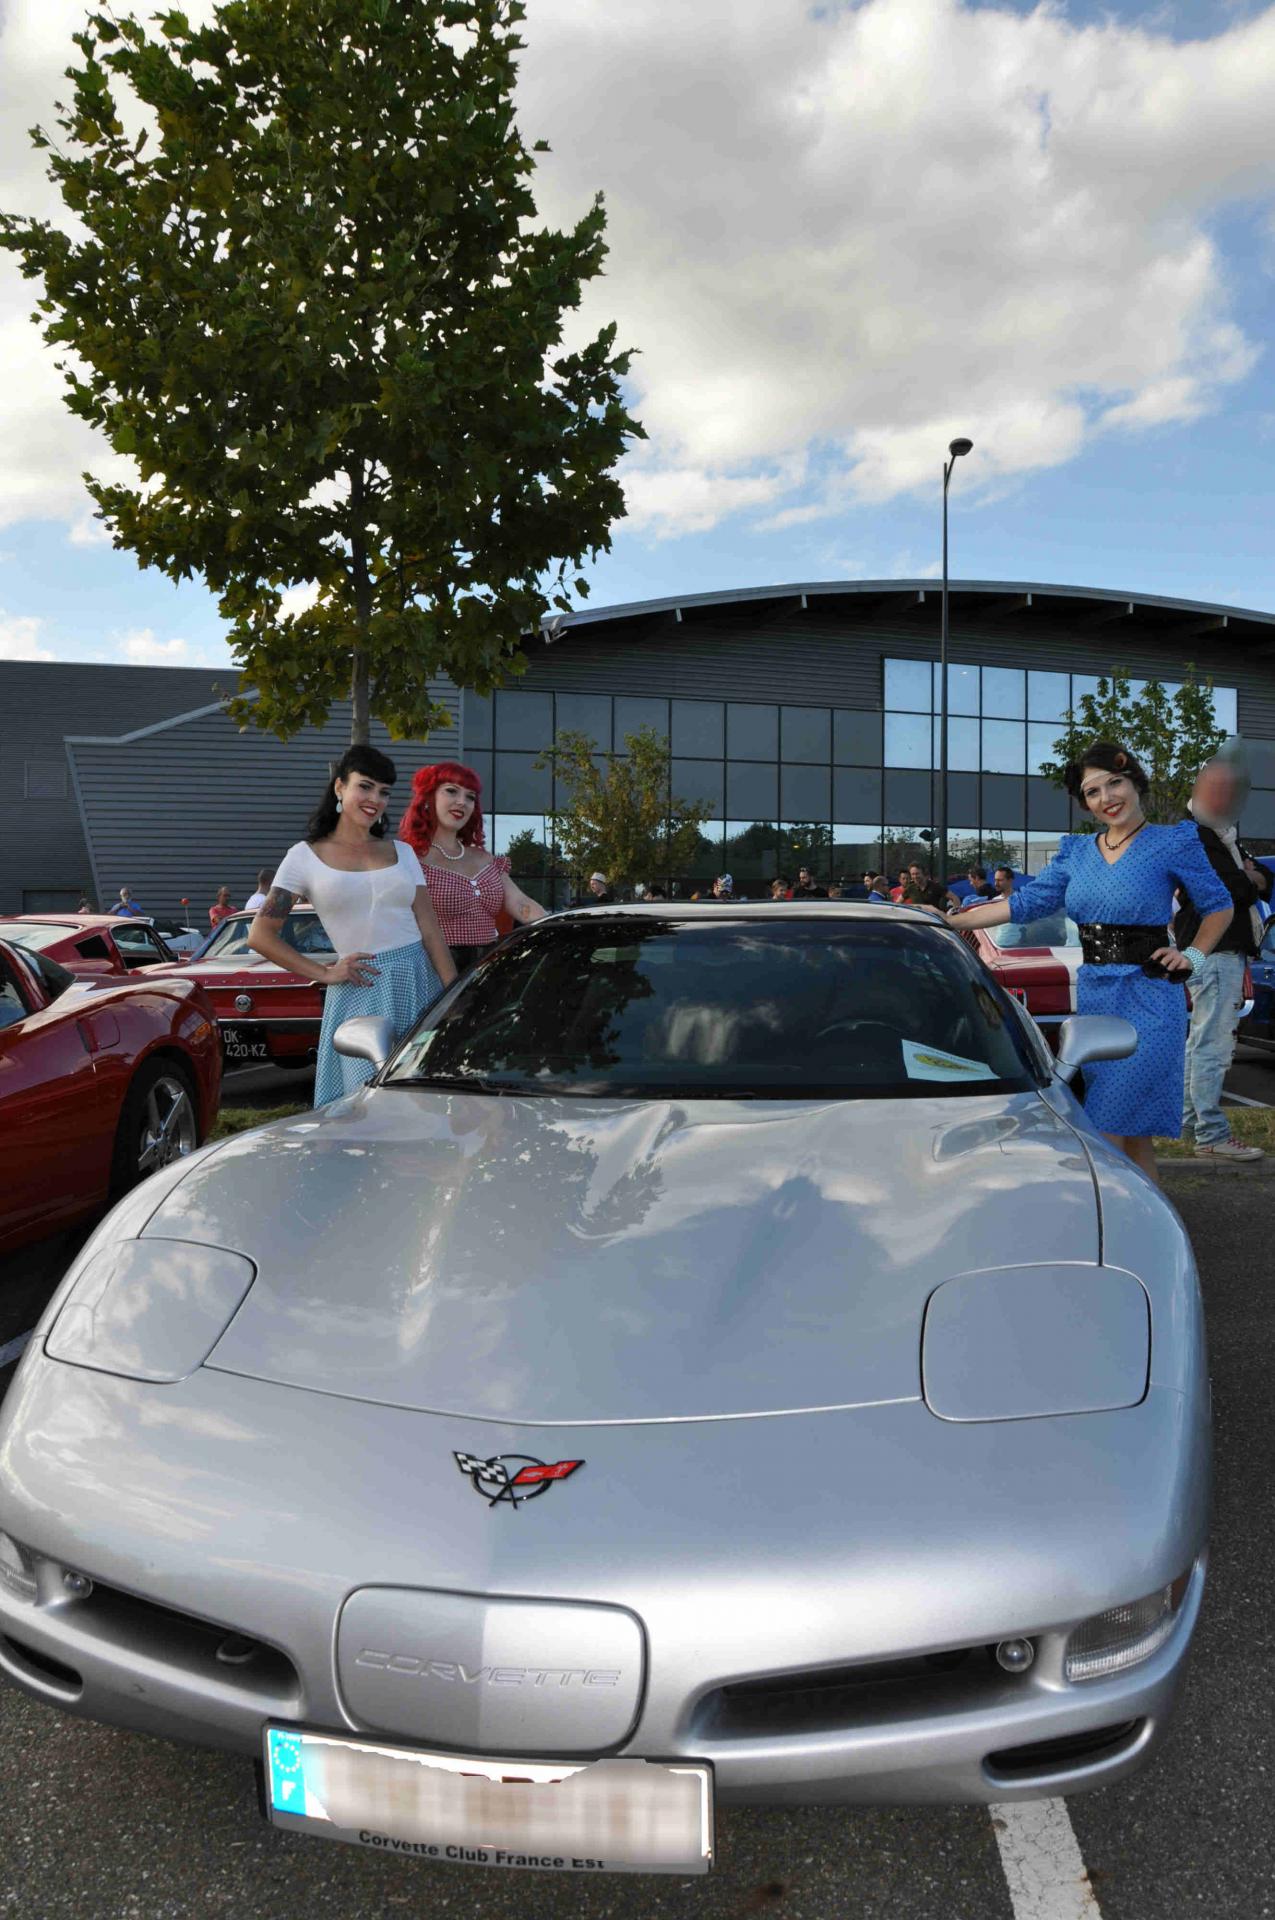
(312,301)
(529,857)
(620,817)
(1171,735)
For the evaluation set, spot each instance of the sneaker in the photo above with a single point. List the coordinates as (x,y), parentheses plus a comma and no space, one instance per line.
(1229,1150)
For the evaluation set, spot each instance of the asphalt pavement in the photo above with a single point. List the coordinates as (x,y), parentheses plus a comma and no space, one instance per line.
(119,1825)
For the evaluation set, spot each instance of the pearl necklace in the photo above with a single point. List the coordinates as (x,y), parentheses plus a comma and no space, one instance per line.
(450,856)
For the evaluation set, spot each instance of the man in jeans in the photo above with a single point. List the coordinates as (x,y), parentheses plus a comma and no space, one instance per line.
(1217,988)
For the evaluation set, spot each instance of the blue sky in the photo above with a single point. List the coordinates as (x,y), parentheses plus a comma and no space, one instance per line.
(838,236)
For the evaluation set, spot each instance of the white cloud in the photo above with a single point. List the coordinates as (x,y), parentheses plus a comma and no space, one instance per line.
(854,232)
(839,235)
(89,531)
(295,600)
(141,648)
(18,639)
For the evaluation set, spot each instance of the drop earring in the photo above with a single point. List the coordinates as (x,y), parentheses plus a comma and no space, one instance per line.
(338,803)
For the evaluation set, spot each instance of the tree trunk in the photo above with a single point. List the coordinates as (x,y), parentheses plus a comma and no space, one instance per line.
(360,718)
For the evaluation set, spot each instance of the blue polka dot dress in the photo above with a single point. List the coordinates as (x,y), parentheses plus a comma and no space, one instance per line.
(1143,1094)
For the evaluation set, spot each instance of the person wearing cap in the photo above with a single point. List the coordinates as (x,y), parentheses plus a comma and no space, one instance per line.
(723,888)
(1217,987)
(598,894)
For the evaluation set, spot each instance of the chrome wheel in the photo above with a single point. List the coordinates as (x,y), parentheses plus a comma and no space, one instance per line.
(168,1130)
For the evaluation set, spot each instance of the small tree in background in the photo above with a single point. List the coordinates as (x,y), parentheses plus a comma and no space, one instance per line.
(619,817)
(1171,735)
(311,300)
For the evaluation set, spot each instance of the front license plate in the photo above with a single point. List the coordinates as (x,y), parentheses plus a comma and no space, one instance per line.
(596,1816)
(243,1043)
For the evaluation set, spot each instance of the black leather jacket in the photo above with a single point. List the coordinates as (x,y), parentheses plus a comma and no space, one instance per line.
(1244,891)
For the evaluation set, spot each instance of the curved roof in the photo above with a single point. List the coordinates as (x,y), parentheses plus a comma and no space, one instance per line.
(1164,614)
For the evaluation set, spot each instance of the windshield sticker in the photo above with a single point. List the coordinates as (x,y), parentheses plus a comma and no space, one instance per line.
(930,1063)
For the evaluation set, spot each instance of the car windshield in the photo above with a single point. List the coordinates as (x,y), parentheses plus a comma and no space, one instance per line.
(1055,930)
(304,931)
(735,1007)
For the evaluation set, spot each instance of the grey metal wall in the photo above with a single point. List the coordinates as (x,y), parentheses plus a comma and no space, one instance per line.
(41,837)
(195,804)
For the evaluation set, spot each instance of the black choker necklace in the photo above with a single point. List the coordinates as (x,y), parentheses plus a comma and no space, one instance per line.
(1111,845)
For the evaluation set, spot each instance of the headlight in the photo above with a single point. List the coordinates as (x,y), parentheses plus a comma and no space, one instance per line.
(149,1309)
(1123,1636)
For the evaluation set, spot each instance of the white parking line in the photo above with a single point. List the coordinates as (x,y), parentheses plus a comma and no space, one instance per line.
(14,1349)
(1043,1866)
(1242,1100)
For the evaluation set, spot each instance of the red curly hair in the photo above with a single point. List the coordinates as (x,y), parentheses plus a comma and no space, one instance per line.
(420,822)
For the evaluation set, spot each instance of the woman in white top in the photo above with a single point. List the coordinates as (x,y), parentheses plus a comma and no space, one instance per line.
(371,897)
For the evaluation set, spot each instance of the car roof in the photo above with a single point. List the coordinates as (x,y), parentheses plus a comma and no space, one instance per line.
(735,909)
(74,922)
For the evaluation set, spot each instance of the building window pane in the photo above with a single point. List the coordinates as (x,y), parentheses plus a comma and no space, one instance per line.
(1047,696)
(752,790)
(1004,847)
(631,715)
(1081,684)
(524,720)
(901,846)
(962,744)
(805,793)
(806,734)
(586,713)
(962,689)
(1224,709)
(697,780)
(751,853)
(1004,746)
(475,719)
(856,738)
(907,686)
(962,851)
(752,731)
(521,786)
(1003,692)
(706,862)
(1041,742)
(1041,848)
(526,829)
(855,851)
(907,740)
(699,729)
(805,843)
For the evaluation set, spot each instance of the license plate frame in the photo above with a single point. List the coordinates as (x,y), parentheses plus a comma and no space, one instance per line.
(467,1790)
(243,1043)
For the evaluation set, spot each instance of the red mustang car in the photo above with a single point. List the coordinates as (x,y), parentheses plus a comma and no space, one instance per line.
(101,1082)
(1036,961)
(89,942)
(265,1013)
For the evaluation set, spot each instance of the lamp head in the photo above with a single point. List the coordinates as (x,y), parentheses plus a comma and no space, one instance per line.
(957,447)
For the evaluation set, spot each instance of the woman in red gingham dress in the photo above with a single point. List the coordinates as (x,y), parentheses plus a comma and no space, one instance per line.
(468,886)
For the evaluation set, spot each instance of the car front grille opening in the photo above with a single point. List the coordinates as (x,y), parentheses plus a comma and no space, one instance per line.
(25,1662)
(826,1698)
(182,1641)
(1062,1755)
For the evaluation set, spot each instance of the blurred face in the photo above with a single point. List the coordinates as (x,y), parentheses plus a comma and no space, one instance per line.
(455,805)
(223,896)
(1004,880)
(804,876)
(597,886)
(363,800)
(1112,798)
(1216,792)
(914,872)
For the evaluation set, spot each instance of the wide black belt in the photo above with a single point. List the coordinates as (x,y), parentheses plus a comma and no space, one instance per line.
(1104,945)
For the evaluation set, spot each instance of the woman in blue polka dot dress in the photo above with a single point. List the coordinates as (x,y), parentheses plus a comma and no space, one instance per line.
(1118,885)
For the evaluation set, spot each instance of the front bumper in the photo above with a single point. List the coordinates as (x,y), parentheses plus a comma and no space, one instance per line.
(806,1665)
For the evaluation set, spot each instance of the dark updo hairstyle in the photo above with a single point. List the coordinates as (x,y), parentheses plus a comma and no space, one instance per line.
(1108,758)
(366,760)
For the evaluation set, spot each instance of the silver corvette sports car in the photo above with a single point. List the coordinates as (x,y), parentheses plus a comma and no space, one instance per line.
(714,1360)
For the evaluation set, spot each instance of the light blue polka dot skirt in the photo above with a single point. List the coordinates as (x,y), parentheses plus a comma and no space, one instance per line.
(404,986)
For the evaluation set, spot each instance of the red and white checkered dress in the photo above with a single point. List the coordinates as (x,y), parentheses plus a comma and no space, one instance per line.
(467,903)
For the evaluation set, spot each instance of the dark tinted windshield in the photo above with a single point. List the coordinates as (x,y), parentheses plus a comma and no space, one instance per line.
(304,931)
(737,1006)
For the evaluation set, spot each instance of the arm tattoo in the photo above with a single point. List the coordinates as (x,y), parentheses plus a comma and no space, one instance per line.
(277,904)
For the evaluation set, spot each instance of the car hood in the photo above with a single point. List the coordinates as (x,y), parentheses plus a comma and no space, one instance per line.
(563,1260)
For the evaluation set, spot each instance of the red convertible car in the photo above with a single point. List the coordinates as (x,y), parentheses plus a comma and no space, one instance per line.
(89,942)
(101,1082)
(265,1013)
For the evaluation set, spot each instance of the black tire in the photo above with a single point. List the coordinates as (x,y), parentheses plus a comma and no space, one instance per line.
(159,1122)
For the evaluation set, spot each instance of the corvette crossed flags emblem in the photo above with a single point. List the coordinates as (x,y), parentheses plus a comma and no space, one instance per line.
(513,1477)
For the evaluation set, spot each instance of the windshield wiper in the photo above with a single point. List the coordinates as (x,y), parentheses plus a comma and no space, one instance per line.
(462,1083)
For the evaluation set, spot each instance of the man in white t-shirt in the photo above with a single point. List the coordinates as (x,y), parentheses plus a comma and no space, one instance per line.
(258,899)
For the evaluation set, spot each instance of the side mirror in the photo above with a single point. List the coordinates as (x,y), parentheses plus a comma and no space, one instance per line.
(369,1036)
(1089,1036)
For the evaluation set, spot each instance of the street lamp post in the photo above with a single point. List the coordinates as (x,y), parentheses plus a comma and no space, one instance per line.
(955,450)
